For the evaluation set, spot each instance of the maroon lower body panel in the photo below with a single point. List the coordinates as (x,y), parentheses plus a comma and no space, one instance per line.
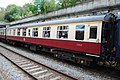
(88,47)
(2,36)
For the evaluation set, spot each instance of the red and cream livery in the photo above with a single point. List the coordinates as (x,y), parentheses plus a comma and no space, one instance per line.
(72,34)
(77,39)
(2,33)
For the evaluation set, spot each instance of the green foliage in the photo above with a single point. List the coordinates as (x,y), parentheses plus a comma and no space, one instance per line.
(45,5)
(51,5)
(28,9)
(2,13)
(13,12)
(66,3)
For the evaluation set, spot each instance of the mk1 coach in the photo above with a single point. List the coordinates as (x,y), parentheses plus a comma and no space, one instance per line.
(82,40)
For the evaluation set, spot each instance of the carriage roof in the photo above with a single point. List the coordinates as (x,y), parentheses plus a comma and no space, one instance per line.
(63,21)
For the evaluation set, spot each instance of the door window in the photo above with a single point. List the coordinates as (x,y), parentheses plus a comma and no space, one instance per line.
(93,32)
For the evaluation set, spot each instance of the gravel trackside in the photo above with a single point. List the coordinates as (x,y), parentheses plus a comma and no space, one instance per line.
(8,71)
(74,71)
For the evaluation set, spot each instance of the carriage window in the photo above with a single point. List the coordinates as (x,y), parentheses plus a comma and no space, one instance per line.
(62,32)
(13,32)
(24,32)
(18,32)
(3,32)
(29,32)
(80,32)
(35,32)
(10,31)
(46,32)
(93,32)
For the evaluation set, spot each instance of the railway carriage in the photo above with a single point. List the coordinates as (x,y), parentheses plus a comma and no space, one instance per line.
(2,34)
(82,40)
(78,34)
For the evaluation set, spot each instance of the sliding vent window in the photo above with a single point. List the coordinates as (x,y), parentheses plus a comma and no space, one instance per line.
(93,32)
(80,29)
(62,32)
(18,32)
(35,32)
(24,32)
(46,32)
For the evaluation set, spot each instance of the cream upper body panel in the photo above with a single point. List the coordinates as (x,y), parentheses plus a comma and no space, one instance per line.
(71,31)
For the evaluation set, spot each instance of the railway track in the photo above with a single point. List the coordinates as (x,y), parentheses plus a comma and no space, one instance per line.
(34,69)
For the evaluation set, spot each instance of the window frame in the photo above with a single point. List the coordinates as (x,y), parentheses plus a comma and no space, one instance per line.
(81,29)
(24,31)
(17,32)
(14,31)
(61,29)
(99,28)
(10,31)
(34,30)
(29,32)
(46,30)
(90,31)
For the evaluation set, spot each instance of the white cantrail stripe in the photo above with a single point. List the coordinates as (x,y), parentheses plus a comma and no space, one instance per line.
(31,67)
(46,75)
(40,72)
(35,69)
(56,78)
